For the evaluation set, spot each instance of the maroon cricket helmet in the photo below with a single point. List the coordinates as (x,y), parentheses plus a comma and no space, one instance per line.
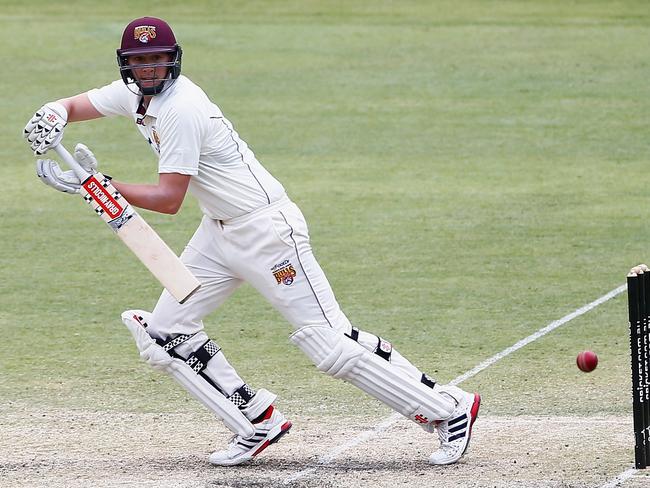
(144,36)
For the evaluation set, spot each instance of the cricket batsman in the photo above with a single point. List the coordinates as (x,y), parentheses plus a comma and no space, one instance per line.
(250,232)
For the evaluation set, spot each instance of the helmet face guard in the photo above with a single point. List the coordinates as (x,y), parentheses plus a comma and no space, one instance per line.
(173,70)
(149,35)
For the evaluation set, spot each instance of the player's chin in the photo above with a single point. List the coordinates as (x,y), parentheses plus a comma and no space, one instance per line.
(150,83)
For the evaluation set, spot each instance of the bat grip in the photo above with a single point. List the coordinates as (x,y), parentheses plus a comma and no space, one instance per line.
(81,173)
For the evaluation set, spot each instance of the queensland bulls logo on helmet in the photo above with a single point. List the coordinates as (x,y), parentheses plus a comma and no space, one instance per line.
(144,33)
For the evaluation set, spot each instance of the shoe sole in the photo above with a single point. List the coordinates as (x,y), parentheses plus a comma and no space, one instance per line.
(284,429)
(274,436)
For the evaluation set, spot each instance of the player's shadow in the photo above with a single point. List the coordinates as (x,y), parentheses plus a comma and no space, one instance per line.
(288,472)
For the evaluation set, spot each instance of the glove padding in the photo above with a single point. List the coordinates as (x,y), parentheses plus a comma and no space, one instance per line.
(85,158)
(52,175)
(45,129)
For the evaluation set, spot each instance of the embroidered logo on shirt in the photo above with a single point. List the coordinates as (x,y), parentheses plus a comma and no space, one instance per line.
(156,139)
(284,272)
(144,33)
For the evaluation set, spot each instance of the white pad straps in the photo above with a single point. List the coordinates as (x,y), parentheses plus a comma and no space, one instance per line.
(182,372)
(341,357)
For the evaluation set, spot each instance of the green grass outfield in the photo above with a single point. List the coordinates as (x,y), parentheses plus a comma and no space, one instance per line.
(471,171)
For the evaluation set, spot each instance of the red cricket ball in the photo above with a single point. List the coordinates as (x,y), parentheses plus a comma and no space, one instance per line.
(587,361)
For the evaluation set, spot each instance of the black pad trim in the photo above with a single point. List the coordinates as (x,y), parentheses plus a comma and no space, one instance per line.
(354,334)
(427,381)
(384,349)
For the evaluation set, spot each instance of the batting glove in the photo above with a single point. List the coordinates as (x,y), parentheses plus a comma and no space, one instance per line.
(45,129)
(85,158)
(52,175)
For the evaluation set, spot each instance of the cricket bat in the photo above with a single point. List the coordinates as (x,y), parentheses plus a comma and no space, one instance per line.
(134,231)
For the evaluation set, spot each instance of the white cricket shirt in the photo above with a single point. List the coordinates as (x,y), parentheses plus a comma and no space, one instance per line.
(190,136)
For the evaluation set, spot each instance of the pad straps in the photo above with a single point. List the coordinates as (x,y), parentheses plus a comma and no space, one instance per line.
(176,341)
(428,381)
(198,360)
(383,349)
(242,396)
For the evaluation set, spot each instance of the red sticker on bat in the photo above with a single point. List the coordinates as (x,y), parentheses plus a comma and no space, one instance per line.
(104,199)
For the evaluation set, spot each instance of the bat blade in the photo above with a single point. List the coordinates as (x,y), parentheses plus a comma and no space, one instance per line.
(159,259)
(139,237)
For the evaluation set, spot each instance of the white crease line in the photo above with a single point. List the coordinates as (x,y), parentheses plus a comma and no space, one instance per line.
(541,332)
(393,418)
(621,478)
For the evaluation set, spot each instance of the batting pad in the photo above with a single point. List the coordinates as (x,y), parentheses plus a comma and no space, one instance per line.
(341,357)
(199,388)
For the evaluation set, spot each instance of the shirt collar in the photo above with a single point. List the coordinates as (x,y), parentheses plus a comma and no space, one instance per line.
(157,100)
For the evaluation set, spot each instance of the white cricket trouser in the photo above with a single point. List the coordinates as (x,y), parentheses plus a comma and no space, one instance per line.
(269,249)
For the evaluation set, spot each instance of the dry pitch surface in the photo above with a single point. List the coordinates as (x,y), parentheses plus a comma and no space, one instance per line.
(51,448)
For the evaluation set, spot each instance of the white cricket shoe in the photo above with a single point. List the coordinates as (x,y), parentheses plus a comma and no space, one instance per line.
(454,433)
(267,431)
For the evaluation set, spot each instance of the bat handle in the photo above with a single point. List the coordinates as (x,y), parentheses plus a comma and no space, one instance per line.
(81,173)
